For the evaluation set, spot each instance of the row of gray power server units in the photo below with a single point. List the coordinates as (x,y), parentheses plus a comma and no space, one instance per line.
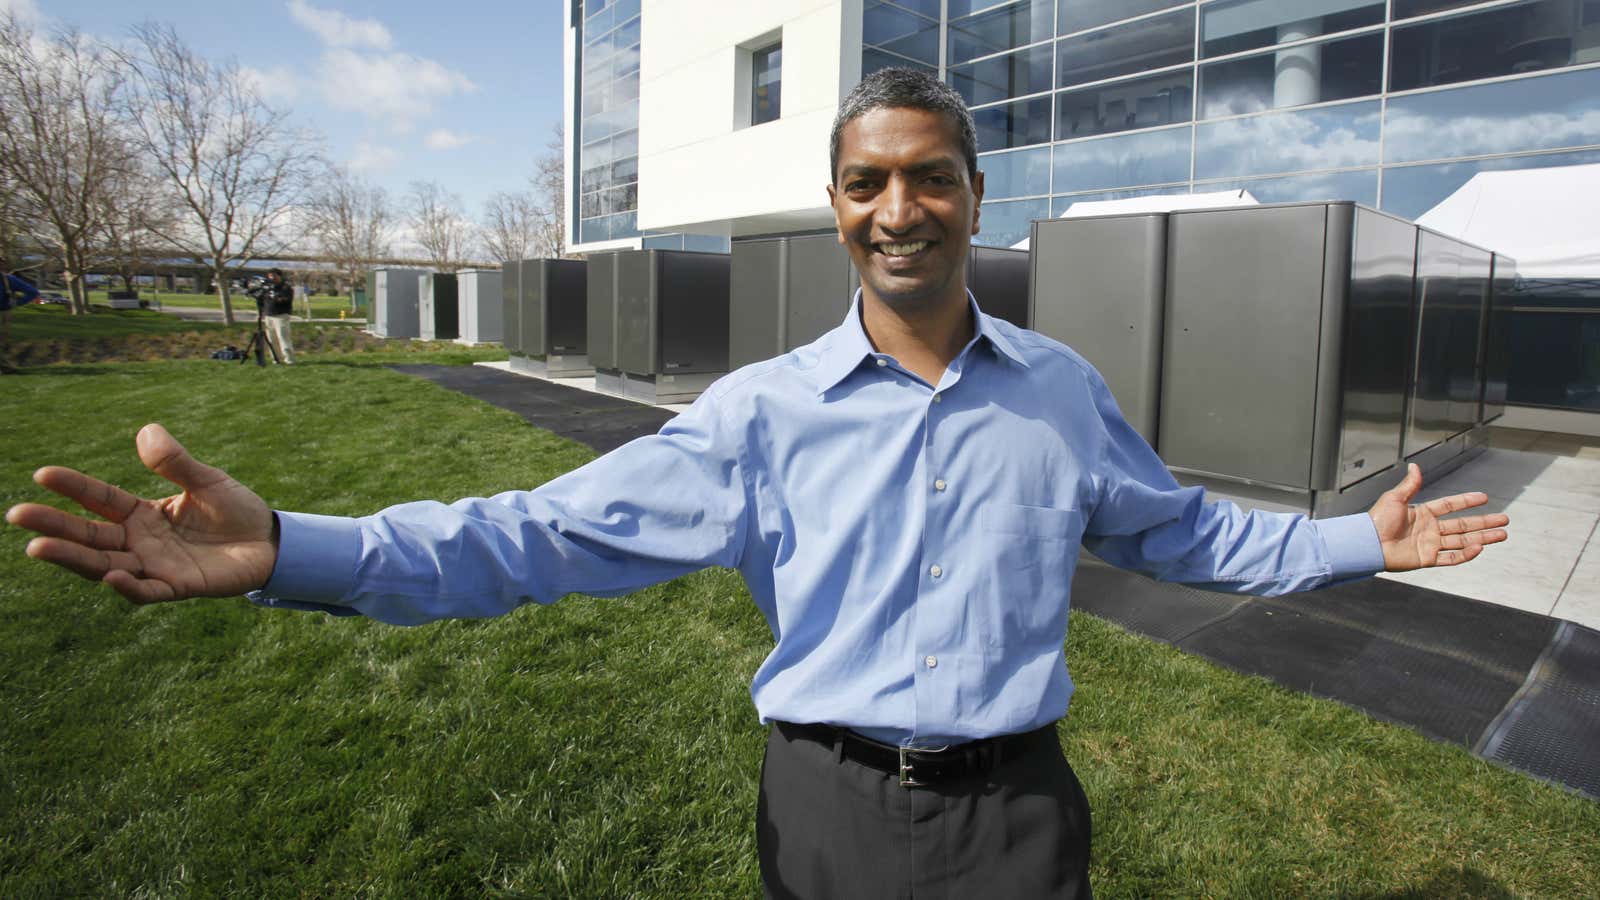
(661,325)
(1294,356)
(459,306)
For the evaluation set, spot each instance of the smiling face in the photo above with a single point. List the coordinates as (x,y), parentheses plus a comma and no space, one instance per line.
(905,206)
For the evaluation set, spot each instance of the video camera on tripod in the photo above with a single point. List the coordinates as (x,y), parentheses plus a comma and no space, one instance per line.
(264,292)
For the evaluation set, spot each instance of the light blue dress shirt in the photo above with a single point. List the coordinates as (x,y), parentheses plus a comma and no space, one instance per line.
(911,545)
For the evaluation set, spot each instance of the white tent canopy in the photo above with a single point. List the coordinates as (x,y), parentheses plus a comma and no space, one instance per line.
(1548,220)
(1156,203)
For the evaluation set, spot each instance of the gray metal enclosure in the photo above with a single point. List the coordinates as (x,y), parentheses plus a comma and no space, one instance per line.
(1447,385)
(510,312)
(478,291)
(438,310)
(1098,285)
(1287,352)
(671,322)
(998,278)
(1497,337)
(554,317)
(785,292)
(394,302)
(601,308)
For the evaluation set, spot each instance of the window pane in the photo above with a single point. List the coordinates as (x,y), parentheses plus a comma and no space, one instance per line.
(997,29)
(1137,47)
(874,60)
(1555,356)
(1003,224)
(1022,173)
(1003,77)
(1059,205)
(1527,37)
(1077,15)
(1151,157)
(627,35)
(1361,187)
(1337,70)
(1014,124)
(766,84)
(1332,138)
(1405,9)
(1141,103)
(1234,26)
(1410,191)
(1546,113)
(891,28)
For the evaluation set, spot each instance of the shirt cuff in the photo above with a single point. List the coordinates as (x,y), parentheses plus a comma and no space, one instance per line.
(1353,547)
(316,565)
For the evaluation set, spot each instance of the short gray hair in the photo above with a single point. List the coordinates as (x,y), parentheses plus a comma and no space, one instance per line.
(904,88)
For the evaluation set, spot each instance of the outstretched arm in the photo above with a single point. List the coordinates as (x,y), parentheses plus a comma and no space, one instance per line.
(1417,537)
(214,539)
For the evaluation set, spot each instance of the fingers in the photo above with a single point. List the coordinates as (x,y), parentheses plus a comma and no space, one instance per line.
(52,522)
(1409,485)
(1457,557)
(162,454)
(1466,524)
(88,562)
(139,590)
(1455,503)
(91,493)
(1476,538)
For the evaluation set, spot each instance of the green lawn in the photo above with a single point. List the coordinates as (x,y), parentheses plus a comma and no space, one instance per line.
(322,306)
(52,322)
(595,748)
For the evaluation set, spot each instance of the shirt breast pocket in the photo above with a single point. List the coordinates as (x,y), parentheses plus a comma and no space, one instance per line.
(1031,552)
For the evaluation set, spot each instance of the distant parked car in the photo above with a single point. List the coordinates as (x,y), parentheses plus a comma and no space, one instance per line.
(51,297)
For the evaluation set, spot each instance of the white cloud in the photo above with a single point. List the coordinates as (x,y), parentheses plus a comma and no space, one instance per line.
(441,139)
(335,29)
(22,10)
(394,86)
(277,85)
(369,158)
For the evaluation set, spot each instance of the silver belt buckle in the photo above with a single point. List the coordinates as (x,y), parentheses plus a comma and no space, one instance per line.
(907,780)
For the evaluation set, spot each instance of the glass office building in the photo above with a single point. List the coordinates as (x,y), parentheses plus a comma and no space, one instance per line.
(607,143)
(1393,104)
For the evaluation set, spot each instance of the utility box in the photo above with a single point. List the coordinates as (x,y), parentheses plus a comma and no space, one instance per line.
(1099,285)
(510,312)
(998,279)
(394,294)
(600,292)
(1287,353)
(479,292)
(671,323)
(785,292)
(1445,406)
(554,317)
(438,310)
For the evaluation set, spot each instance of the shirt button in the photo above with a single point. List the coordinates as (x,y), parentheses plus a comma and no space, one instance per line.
(938,398)
(938,484)
(882,361)
(930,661)
(935,571)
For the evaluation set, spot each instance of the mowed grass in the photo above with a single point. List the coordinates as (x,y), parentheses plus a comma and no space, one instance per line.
(52,322)
(594,748)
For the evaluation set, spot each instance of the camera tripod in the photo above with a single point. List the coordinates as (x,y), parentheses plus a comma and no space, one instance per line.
(259,343)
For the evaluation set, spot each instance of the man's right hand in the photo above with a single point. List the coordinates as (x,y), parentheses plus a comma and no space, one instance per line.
(215,539)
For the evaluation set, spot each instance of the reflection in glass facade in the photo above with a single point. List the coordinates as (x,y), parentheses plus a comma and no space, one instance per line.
(608,120)
(1290,99)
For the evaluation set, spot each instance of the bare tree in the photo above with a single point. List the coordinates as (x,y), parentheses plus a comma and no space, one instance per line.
(352,222)
(61,146)
(437,225)
(139,210)
(510,225)
(549,194)
(235,164)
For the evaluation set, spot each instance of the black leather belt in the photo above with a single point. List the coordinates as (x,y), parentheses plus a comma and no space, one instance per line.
(920,768)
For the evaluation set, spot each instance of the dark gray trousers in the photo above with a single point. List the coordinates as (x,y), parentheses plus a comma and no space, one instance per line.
(828,827)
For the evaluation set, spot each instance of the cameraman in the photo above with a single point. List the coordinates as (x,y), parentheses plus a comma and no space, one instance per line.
(277,305)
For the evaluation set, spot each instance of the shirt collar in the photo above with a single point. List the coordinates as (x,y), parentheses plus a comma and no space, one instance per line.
(849,345)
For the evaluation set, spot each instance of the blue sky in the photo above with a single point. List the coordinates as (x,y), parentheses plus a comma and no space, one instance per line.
(464,93)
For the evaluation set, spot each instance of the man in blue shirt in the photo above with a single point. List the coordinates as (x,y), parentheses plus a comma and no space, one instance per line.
(13,292)
(905,498)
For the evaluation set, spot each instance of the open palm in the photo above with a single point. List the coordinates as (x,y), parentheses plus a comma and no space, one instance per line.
(215,539)
(1418,536)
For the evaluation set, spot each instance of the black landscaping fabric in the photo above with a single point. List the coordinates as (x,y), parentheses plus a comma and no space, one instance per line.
(1515,687)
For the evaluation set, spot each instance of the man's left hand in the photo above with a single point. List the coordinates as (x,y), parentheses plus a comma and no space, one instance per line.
(1417,537)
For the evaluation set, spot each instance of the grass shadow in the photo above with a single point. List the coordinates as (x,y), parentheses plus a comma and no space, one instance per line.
(1453,882)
